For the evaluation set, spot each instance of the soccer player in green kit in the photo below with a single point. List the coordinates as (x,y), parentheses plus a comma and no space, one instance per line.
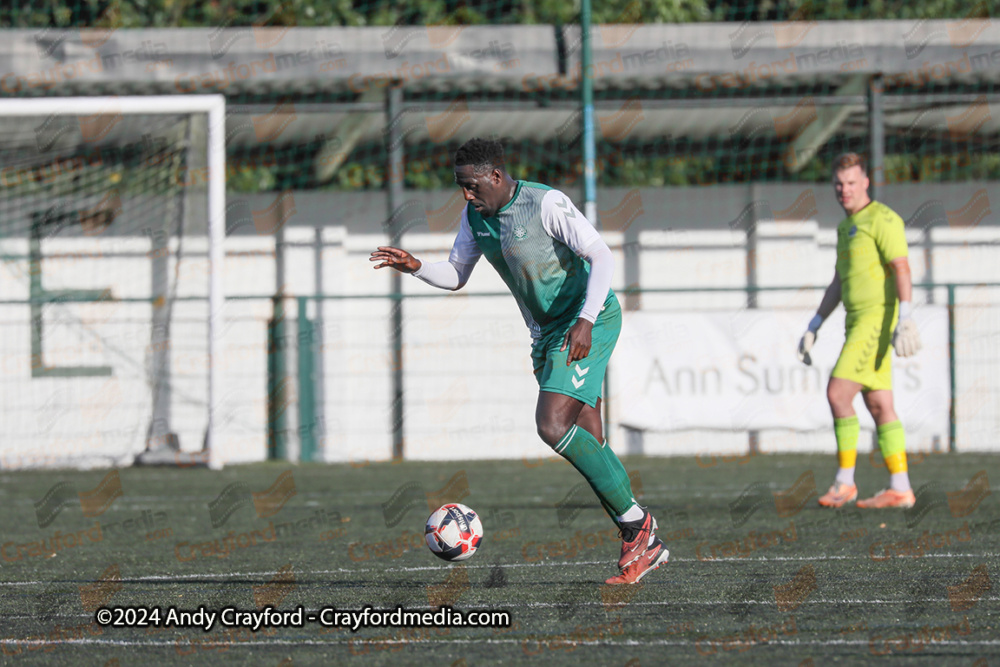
(872,271)
(559,270)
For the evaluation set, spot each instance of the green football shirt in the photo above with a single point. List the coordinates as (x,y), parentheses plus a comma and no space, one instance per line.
(534,242)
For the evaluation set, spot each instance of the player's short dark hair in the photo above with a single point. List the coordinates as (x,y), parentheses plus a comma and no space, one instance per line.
(848,160)
(482,154)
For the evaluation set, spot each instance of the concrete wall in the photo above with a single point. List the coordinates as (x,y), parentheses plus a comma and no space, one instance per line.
(469,392)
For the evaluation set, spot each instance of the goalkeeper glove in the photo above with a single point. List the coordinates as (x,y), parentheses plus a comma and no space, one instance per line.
(809,339)
(906,338)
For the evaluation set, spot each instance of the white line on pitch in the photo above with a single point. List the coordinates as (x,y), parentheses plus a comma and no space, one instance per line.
(423,568)
(540,641)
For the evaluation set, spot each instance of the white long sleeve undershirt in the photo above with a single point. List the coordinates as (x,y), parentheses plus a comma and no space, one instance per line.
(452,275)
(448,274)
(573,230)
(602,268)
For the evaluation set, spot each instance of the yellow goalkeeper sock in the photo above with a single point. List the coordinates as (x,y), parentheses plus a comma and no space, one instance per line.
(892,442)
(846,429)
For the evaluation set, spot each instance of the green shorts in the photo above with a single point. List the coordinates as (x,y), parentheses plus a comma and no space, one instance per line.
(867,354)
(584,379)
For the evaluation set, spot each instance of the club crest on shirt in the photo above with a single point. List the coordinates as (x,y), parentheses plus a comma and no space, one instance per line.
(852,231)
(520,231)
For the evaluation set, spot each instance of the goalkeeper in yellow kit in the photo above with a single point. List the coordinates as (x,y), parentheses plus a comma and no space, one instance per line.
(872,271)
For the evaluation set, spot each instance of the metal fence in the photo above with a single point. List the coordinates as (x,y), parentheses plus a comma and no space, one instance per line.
(972,357)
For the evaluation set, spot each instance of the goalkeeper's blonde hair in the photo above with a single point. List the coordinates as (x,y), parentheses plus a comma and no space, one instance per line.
(848,160)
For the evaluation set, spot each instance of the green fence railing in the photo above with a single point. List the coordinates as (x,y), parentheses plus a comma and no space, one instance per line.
(309,410)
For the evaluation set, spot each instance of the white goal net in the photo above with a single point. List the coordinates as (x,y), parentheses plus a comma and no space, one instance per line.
(111,225)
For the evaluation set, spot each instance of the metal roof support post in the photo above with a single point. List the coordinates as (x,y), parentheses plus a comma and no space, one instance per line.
(320,357)
(587,100)
(589,149)
(876,125)
(753,435)
(394,168)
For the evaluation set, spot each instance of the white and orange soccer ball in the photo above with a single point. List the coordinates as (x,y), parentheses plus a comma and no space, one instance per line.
(453,532)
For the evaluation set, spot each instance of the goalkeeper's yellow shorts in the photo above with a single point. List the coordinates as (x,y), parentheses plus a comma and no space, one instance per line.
(867,354)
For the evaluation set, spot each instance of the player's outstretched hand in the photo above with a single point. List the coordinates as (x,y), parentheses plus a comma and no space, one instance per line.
(906,338)
(396,258)
(805,345)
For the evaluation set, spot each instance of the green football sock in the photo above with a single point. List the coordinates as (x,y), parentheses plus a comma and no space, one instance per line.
(600,467)
(616,464)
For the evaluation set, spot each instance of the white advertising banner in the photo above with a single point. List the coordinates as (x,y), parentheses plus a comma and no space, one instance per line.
(739,371)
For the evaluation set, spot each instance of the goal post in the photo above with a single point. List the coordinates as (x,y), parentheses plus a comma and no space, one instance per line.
(112,229)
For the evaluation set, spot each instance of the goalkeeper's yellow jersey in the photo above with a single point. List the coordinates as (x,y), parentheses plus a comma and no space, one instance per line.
(866,242)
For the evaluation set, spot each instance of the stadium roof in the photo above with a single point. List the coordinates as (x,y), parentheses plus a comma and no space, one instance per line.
(695,81)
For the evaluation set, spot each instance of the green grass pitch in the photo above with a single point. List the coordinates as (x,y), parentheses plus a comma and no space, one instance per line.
(758,573)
